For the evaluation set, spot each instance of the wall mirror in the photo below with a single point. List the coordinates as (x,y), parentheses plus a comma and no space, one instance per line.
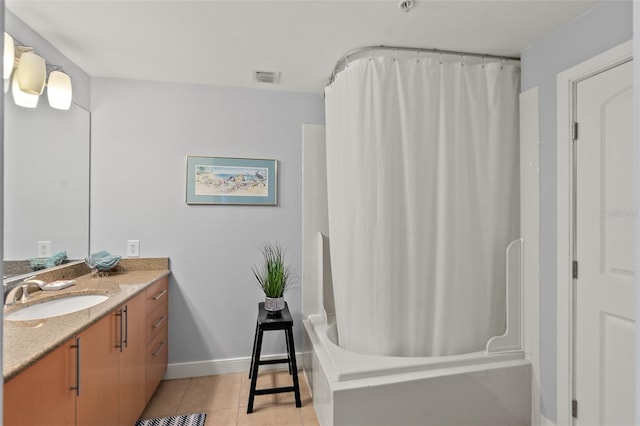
(46,181)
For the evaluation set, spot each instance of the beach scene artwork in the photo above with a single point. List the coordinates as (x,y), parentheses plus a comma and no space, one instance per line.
(231,180)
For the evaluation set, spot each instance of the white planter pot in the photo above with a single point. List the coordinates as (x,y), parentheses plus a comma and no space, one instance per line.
(274,304)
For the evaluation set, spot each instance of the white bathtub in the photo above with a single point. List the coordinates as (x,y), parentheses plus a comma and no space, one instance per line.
(472,389)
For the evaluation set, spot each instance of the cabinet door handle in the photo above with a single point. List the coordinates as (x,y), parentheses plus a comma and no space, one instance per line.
(120,341)
(126,326)
(77,348)
(160,321)
(159,349)
(159,295)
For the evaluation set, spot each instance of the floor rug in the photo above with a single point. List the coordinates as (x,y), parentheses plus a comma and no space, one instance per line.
(196,419)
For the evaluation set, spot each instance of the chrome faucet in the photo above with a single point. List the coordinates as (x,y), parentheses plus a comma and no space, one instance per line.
(11,295)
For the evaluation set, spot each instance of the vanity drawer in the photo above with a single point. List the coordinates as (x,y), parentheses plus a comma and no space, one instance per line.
(157,294)
(157,358)
(157,333)
(156,320)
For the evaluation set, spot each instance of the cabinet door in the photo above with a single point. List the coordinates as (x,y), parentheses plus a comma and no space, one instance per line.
(43,394)
(97,402)
(132,361)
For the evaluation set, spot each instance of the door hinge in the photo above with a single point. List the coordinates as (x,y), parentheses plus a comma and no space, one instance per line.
(574,129)
(575,269)
(574,408)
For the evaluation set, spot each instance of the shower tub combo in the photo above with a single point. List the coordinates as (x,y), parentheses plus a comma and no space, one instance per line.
(431,191)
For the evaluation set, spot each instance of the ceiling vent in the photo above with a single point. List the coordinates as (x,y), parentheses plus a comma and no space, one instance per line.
(267,77)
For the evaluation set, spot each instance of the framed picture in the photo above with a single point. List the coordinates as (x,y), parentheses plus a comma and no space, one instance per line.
(223,180)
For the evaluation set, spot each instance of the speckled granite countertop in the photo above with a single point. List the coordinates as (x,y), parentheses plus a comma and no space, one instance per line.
(25,342)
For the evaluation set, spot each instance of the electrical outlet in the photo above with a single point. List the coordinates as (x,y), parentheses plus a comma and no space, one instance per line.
(133,248)
(44,248)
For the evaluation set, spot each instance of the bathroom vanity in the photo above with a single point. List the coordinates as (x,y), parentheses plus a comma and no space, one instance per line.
(98,365)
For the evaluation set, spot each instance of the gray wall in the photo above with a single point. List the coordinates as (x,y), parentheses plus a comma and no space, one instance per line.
(142,133)
(596,31)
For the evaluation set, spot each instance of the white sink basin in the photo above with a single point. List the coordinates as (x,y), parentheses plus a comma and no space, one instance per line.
(56,307)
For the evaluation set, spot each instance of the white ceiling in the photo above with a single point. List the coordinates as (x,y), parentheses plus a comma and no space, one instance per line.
(223,42)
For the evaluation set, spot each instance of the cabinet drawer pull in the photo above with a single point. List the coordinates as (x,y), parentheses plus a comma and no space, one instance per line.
(77,348)
(120,344)
(159,295)
(126,326)
(159,349)
(160,321)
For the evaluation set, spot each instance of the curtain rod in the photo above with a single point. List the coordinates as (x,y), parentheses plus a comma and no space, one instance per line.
(342,61)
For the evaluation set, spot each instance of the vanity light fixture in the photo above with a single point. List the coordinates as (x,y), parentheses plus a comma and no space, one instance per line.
(59,90)
(29,79)
(31,73)
(8,58)
(21,98)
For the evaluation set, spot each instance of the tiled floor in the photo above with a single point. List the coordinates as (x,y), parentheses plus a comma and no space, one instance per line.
(224,399)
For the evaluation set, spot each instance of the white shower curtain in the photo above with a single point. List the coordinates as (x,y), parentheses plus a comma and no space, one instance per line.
(423,191)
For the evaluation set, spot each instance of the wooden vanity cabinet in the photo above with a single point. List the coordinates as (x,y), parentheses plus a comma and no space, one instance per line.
(157,334)
(43,394)
(119,361)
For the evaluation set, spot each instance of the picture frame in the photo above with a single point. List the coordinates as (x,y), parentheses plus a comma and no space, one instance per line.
(231,181)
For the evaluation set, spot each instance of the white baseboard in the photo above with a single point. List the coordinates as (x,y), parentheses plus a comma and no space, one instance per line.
(215,367)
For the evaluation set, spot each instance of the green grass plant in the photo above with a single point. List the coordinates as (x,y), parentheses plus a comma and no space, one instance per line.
(272,276)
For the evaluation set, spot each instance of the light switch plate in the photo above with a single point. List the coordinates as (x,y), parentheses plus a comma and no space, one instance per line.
(44,248)
(133,248)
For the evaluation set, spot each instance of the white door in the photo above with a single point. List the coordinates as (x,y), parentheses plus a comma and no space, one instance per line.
(604,367)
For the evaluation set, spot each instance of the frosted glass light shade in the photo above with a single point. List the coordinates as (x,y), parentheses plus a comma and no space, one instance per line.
(23,99)
(9,55)
(31,73)
(59,90)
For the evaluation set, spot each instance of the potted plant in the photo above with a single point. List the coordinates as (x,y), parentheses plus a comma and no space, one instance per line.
(273,276)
